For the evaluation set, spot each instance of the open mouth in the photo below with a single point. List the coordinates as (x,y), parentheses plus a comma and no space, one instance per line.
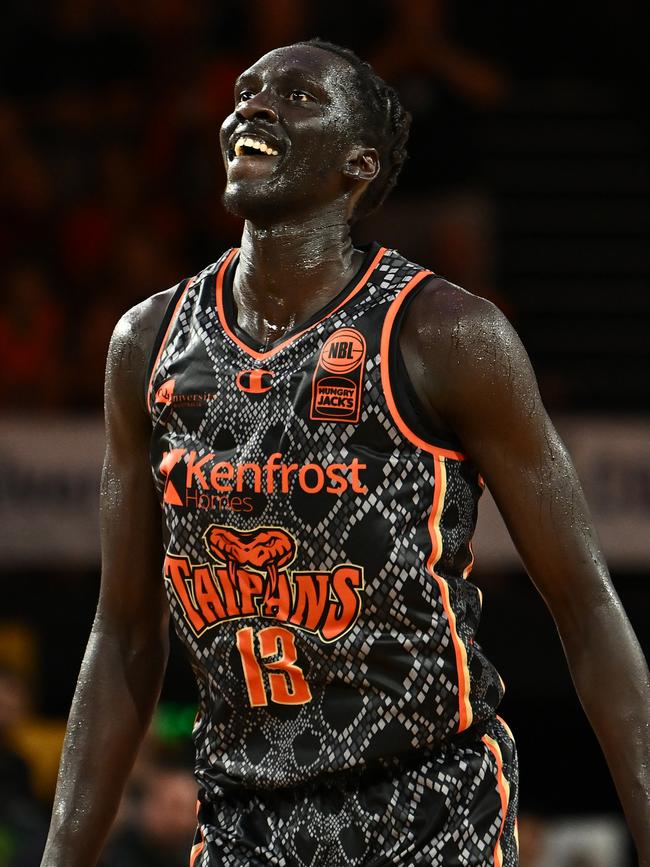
(250,146)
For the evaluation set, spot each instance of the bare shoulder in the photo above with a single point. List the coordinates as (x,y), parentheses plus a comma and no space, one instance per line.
(132,343)
(445,316)
(461,346)
(136,329)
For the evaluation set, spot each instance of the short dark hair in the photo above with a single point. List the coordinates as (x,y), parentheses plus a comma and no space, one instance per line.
(384,118)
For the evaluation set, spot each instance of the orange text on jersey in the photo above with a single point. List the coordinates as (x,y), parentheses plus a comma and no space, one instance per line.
(325,602)
(207,472)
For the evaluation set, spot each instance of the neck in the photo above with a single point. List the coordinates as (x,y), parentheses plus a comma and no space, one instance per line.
(285,273)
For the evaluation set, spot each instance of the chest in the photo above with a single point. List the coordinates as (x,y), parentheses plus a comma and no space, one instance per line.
(314,386)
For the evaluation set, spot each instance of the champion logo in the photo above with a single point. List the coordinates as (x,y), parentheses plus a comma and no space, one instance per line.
(254,381)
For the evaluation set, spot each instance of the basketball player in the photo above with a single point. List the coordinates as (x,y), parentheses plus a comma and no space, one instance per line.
(315,422)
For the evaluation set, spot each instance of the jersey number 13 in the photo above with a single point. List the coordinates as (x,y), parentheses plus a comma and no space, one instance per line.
(286,682)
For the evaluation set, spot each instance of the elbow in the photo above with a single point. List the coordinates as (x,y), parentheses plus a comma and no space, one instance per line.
(593,627)
(583,606)
(139,645)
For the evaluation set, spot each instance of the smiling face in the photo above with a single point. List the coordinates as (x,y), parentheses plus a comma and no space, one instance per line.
(293,143)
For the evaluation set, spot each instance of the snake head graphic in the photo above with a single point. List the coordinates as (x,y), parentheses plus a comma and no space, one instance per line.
(265,549)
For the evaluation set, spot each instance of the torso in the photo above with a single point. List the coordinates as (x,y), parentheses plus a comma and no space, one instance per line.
(318,536)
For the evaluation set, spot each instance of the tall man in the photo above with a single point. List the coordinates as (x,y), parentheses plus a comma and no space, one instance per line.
(315,422)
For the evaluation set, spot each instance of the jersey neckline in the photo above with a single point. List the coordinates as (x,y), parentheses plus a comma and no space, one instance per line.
(373,253)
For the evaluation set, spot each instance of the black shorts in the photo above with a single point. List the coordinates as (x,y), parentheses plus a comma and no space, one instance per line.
(456,808)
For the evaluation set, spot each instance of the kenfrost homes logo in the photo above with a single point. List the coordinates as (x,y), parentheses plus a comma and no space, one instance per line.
(206,481)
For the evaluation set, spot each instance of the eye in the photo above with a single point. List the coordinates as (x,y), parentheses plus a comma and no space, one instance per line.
(300,96)
(245,95)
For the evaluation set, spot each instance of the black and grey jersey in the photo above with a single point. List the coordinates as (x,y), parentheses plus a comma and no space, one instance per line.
(318,536)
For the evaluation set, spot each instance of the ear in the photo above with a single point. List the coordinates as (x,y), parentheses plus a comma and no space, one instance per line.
(362,164)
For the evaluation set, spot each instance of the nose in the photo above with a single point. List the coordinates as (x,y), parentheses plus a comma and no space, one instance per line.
(257,107)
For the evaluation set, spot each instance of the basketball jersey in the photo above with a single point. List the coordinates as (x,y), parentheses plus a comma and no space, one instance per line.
(318,537)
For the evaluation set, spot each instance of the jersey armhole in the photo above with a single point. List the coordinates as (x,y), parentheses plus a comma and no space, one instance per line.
(162,336)
(406,407)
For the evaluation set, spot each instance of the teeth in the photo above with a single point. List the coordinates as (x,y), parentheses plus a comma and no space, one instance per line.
(243,142)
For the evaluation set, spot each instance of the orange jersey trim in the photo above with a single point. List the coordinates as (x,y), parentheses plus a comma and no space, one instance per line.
(465,714)
(467,571)
(197,848)
(386,334)
(261,355)
(196,851)
(439,455)
(154,369)
(503,787)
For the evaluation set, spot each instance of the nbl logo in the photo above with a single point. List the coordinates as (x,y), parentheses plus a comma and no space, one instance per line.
(336,386)
(343,351)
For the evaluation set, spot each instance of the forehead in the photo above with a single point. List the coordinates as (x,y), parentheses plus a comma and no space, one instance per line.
(313,62)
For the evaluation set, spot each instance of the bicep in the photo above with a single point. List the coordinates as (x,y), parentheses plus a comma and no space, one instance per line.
(535,486)
(498,414)
(131,595)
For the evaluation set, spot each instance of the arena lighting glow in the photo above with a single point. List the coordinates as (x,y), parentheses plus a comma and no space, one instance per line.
(174,721)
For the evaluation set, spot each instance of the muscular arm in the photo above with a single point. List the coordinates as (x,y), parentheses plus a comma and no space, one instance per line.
(470,368)
(125,659)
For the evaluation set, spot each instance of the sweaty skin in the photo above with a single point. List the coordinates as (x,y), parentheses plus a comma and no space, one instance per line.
(472,376)
(470,369)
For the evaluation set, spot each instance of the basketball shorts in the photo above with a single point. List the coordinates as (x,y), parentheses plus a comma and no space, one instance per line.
(455,808)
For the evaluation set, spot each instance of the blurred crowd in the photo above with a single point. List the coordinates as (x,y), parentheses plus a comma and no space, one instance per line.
(157,817)
(110,182)
(110,173)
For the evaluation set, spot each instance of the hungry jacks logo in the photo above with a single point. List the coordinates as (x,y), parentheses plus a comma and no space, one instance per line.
(336,386)
(248,577)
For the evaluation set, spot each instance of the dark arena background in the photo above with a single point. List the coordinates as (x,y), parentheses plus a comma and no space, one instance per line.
(528,182)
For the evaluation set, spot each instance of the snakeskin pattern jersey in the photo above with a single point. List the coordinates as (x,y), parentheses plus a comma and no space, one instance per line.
(318,551)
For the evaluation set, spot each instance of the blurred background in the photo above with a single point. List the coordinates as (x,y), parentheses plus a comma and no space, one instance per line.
(528,182)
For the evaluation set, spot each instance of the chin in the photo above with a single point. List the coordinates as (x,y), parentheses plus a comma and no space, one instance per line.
(258,204)
(239,202)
